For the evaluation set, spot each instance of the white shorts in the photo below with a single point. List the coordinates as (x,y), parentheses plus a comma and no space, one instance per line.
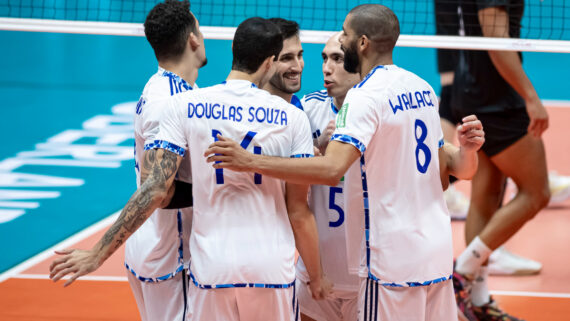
(165,300)
(434,302)
(242,304)
(340,306)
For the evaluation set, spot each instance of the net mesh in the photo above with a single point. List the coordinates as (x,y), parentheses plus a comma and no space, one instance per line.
(541,20)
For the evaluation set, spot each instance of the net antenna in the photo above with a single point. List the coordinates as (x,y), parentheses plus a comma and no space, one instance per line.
(545,24)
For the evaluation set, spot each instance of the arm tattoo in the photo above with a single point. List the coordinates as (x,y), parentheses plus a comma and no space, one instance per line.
(144,200)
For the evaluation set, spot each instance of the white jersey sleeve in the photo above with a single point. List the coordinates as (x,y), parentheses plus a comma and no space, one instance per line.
(302,143)
(357,120)
(171,135)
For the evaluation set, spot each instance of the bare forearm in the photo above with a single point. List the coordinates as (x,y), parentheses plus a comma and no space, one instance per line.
(463,164)
(314,170)
(509,66)
(307,243)
(139,208)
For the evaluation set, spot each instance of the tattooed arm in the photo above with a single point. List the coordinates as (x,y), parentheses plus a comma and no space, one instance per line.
(161,166)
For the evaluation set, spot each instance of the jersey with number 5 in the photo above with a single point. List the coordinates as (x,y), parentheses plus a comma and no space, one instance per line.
(397,218)
(241,235)
(327,203)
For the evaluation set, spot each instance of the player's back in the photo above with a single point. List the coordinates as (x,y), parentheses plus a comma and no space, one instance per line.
(397,183)
(155,251)
(241,232)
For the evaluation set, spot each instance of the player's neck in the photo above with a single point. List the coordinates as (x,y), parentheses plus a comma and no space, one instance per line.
(184,70)
(368,63)
(337,101)
(240,75)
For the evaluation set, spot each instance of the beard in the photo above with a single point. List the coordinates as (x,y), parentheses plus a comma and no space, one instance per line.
(205,62)
(351,60)
(278,82)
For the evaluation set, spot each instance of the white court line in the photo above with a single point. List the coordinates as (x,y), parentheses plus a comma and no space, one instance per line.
(532,294)
(78,237)
(125,279)
(556,103)
(84,277)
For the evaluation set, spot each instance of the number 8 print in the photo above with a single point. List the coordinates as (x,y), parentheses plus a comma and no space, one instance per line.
(421,146)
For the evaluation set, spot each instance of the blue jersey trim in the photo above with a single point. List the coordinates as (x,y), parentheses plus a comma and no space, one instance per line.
(180,267)
(320,93)
(350,140)
(315,98)
(166,145)
(177,84)
(295,101)
(157,279)
(333,107)
(240,285)
(440,143)
(302,156)
(409,284)
(368,76)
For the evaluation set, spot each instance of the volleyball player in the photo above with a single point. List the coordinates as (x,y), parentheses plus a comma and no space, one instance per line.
(289,64)
(242,243)
(156,255)
(390,122)
(327,202)
(494,86)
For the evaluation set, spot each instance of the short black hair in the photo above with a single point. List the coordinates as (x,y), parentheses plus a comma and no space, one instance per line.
(289,28)
(255,40)
(167,27)
(378,23)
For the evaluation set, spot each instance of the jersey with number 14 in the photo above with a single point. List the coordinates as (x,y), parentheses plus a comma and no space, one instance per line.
(327,203)
(394,192)
(241,235)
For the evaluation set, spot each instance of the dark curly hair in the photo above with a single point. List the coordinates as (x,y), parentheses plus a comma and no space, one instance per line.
(167,27)
(255,40)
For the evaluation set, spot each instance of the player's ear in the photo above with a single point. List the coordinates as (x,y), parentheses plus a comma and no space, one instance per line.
(363,43)
(193,41)
(268,63)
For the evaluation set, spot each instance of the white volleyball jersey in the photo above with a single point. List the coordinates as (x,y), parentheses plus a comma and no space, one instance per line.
(241,235)
(159,248)
(397,218)
(327,203)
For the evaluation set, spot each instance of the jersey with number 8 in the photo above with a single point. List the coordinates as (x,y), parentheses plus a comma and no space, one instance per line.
(241,235)
(398,227)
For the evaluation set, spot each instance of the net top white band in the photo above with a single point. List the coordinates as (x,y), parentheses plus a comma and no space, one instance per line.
(307,36)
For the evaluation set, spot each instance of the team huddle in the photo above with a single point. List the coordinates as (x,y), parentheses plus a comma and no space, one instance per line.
(235,179)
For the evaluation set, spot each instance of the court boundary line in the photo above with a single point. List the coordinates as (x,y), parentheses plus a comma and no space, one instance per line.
(556,103)
(84,277)
(75,238)
(125,279)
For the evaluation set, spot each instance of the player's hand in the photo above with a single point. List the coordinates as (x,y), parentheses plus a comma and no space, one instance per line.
(227,153)
(320,289)
(470,134)
(324,139)
(538,117)
(73,261)
(316,151)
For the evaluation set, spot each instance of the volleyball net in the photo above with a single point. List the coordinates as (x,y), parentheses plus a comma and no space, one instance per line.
(545,24)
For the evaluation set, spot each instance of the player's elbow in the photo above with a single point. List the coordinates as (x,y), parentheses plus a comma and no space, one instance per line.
(333,175)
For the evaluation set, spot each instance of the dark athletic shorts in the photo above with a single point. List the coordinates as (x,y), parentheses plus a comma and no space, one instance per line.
(502,129)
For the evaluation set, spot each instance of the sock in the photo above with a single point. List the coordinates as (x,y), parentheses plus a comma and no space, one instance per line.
(480,290)
(469,262)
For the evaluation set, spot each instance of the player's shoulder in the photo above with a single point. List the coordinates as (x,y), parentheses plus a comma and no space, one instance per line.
(157,87)
(315,100)
(319,95)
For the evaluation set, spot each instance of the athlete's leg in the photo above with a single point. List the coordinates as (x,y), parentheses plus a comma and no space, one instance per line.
(525,163)
(486,196)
